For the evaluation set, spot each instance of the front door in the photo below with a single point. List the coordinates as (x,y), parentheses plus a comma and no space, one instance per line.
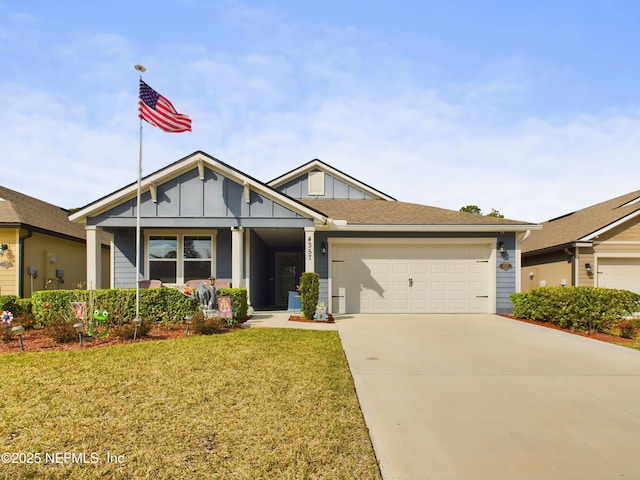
(289,268)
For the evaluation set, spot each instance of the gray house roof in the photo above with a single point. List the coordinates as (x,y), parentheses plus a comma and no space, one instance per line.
(583,225)
(21,211)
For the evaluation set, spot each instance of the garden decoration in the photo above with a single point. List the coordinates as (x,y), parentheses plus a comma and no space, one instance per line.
(99,324)
(7,318)
(79,312)
(321,313)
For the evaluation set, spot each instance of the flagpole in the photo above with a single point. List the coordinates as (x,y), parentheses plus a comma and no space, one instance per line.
(137,320)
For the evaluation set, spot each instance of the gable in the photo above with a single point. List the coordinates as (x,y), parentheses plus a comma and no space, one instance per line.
(585,225)
(193,190)
(317,180)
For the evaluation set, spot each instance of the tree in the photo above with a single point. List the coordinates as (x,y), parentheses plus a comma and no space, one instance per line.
(495,213)
(477,211)
(472,209)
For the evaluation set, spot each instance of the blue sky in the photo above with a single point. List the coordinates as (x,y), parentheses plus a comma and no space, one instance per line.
(531,108)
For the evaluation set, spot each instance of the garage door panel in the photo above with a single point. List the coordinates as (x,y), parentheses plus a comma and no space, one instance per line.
(621,273)
(434,278)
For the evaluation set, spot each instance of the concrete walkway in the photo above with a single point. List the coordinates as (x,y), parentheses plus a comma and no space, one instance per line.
(484,397)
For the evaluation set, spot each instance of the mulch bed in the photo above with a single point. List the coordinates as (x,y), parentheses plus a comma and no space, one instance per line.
(298,318)
(603,337)
(36,341)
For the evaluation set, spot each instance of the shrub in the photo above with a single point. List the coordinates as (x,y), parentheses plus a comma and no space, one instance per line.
(206,326)
(309,293)
(577,308)
(157,304)
(128,330)
(628,328)
(61,331)
(239,303)
(10,303)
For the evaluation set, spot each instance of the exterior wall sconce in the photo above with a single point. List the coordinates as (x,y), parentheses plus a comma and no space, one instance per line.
(501,247)
(323,248)
(531,275)
(587,266)
(3,248)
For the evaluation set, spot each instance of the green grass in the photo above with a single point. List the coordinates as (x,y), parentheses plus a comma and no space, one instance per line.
(253,404)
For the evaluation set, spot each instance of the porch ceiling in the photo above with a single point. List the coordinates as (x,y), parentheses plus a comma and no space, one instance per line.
(281,237)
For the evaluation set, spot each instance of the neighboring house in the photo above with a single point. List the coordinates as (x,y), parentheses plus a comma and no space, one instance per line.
(200,217)
(40,248)
(598,246)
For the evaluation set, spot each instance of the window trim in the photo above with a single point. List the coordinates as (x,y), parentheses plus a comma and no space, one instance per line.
(179,234)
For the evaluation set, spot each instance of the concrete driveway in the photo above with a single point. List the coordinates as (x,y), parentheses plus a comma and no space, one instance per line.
(485,397)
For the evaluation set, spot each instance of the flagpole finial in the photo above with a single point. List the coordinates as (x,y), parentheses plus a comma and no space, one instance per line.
(140,68)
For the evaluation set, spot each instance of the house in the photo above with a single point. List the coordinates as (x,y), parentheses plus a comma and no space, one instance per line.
(40,248)
(200,217)
(598,246)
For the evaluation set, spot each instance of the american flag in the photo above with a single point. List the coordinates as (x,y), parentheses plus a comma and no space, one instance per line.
(158,111)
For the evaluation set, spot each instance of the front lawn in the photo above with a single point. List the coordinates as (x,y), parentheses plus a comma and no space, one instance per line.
(255,403)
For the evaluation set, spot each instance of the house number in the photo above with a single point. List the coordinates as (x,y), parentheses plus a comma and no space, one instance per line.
(310,248)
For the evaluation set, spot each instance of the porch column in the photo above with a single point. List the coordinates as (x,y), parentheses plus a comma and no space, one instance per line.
(94,260)
(309,249)
(237,252)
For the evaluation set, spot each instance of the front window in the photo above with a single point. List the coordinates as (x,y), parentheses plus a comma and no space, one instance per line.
(197,257)
(195,262)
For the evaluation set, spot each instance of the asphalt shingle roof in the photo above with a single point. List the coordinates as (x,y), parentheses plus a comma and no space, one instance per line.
(17,209)
(385,212)
(581,223)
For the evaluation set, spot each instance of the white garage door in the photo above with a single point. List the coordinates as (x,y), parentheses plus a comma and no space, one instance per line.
(621,273)
(431,278)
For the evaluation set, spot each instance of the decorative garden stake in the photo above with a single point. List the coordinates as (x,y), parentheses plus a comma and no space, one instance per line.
(99,324)
(188,319)
(7,318)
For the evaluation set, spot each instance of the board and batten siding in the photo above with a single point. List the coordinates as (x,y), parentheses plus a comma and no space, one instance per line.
(334,188)
(186,201)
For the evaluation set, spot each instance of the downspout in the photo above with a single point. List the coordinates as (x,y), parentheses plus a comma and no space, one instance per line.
(21,262)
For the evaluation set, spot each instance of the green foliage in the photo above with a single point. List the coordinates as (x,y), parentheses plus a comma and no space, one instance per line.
(11,303)
(239,303)
(156,304)
(577,308)
(309,293)
(476,210)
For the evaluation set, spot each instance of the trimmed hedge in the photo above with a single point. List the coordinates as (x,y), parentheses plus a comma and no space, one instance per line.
(576,308)
(239,303)
(167,305)
(156,304)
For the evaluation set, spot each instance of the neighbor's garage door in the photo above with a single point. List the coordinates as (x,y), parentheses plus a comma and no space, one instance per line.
(621,273)
(431,278)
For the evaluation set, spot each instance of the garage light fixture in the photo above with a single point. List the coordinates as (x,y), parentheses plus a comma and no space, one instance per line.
(587,266)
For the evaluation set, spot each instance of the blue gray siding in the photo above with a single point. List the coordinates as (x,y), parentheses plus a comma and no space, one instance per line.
(333,189)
